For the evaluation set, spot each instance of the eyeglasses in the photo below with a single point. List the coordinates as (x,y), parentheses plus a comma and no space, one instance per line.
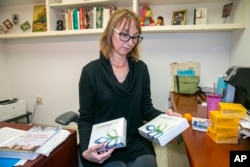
(126,37)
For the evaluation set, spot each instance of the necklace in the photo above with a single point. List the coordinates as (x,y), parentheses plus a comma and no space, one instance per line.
(118,66)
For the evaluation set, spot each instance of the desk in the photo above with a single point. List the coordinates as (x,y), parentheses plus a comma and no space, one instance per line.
(65,155)
(201,150)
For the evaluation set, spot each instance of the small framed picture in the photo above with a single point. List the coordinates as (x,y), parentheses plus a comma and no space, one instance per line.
(25,26)
(179,17)
(227,10)
(7,23)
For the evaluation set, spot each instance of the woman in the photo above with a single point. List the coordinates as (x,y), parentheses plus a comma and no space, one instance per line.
(117,85)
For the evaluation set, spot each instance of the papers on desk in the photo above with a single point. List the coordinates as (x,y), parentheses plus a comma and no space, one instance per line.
(200,124)
(10,134)
(245,127)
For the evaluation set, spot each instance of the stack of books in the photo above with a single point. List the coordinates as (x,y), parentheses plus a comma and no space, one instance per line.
(87,18)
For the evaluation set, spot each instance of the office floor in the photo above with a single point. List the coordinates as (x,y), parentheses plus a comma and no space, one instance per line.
(172,155)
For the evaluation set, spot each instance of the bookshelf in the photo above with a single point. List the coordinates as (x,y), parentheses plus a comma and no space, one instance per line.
(165,8)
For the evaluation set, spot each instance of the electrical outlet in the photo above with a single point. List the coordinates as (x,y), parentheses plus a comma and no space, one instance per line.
(39,100)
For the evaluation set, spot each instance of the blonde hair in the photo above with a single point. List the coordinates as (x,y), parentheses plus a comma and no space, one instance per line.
(116,19)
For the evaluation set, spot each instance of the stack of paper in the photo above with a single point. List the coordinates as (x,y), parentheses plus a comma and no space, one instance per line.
(27,145)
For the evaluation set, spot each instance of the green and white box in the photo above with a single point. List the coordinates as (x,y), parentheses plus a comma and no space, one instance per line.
(163,128)
(112,133)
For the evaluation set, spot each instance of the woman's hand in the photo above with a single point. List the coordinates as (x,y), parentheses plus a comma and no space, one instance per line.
(170,112)
(92,154)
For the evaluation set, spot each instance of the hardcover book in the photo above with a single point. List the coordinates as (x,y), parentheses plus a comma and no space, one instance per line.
(163,128)
(200,16)
(39,18)
(24,145)
(112,133)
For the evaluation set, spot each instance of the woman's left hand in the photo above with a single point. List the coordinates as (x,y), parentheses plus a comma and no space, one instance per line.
(170,112)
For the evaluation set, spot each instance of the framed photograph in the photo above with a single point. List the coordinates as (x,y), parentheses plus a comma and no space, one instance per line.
(179,17)
(227,10)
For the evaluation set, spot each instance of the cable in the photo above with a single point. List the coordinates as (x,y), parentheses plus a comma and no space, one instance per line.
(36,105)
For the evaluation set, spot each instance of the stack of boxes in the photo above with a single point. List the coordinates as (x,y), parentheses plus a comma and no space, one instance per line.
(224,123)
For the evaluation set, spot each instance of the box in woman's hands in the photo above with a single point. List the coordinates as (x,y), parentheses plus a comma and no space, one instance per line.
(112,133)
(163,128)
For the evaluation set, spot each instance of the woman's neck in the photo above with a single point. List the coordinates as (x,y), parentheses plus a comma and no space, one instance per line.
(118,62)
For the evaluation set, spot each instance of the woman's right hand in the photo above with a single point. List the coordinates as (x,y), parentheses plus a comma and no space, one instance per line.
(92,154)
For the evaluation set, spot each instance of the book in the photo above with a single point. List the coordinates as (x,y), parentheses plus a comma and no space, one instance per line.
(69,19)
(200,16)
(99,17)
(163,128)
(81,18)
(112,133)
(39,18)
(24,145)
(75,14)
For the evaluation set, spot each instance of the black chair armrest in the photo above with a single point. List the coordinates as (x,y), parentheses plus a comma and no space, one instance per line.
(67,118)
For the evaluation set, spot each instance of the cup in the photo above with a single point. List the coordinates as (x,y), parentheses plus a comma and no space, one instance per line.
(213,102)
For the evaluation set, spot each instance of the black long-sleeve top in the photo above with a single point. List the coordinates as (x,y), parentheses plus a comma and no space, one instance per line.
(103,98)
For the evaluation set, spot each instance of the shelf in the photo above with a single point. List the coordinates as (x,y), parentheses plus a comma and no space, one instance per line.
(52,34)
(160,7)
(193,28)
(64,6)
(145,29)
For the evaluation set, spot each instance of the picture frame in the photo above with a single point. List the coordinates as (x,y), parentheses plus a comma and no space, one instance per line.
(227,10)
(179,17)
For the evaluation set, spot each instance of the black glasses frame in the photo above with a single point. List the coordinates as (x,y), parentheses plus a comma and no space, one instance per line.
(138,37)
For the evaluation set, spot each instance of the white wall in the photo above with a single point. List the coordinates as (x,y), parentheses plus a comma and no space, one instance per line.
(4,77)
(50,67)
(241,49)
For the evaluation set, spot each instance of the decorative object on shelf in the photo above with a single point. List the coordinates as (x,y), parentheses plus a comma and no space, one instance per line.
(2,30)
(39,18)
(160,21)
(25,26)
(179,17)
(15,18)
(146,16)
(226,11)
(200,16)
(7,23)
(59,25)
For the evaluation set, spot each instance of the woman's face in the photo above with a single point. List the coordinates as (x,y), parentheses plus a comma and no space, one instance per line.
(122,48)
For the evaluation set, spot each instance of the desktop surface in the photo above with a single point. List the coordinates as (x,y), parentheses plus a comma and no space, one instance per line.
(201,149)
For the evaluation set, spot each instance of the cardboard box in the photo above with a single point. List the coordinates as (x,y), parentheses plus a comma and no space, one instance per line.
(222,138)
(216,118)
(163,128)
(112,133)
(233,110)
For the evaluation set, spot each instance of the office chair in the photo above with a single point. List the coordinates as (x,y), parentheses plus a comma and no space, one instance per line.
(65,119)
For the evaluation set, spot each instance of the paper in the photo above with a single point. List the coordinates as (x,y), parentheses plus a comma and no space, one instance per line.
(200,124)
(8,134)
(32,139)
(53,142)
(245,123)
